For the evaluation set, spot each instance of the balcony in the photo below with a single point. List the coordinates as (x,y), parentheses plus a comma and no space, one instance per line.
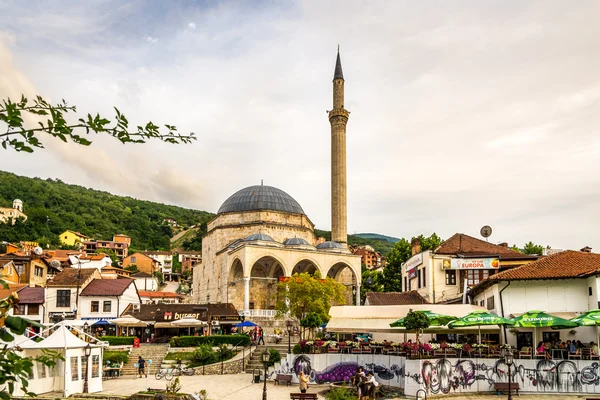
(258,313)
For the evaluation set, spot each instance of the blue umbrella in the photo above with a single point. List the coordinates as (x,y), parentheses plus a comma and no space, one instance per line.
(246,324)
(323,326)
(101,322)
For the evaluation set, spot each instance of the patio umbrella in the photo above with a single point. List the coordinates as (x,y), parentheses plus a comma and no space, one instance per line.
(435,319)
(246,324)
(478,318)
(589,318)
(128,320)
(539,319)
(188,322)
(101,322)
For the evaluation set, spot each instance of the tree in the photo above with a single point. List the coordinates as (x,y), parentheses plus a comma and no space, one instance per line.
(304,294)
(22,137)
(113,256)
(311,322)
(416,321)
(176,264)
(401,252)
(372,281)
(133,268)
(531,248)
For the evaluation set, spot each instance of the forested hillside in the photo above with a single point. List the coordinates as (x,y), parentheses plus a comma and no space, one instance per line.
(53,207)
(381,245)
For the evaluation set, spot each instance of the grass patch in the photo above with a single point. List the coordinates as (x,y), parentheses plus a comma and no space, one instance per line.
(180,355)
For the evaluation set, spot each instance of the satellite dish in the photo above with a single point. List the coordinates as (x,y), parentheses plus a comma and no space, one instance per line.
(38,251)
(55,264)
(486,231)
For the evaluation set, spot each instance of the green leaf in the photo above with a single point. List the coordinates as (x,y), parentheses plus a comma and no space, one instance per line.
(5,335)
(16,324)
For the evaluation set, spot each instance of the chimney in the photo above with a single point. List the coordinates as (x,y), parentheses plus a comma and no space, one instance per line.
(503,244)
(586,249)
(415,245)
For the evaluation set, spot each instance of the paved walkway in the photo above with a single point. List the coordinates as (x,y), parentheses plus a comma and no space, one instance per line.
(233,387)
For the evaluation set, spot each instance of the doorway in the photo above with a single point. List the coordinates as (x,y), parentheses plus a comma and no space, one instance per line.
(524,339)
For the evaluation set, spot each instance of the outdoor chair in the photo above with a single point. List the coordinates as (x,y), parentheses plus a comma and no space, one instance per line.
(333,350)
(587,354)
(575,355)
(525,352)
(539,355)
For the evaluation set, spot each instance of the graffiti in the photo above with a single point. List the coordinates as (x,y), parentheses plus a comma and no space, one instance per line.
(589,375)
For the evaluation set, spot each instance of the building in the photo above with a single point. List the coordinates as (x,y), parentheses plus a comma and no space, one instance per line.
(261,235)
(72,238)
(97,261)
(32,304)
(9,271)
(10,215)
(106,299)
(370,258)
(119,245)
(564,284)
(63,293)
(165,261)
(143,263)
(145,282)
(170,221)
(462,261)
(110,272)
(394,298)
(32,269)
(189,259)
(160,297)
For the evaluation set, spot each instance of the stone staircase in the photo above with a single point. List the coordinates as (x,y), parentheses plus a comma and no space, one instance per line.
(154,352)
(255,361)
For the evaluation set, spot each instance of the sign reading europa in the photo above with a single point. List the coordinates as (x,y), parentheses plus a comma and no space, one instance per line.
(471,263)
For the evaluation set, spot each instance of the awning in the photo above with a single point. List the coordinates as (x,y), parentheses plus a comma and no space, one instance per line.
(163,325)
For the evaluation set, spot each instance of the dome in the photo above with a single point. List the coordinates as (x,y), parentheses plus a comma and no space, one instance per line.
(260,197)
(259,236)
(329,245)
(296,242)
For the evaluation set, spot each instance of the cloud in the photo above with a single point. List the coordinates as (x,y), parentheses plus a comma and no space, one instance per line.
(460,117)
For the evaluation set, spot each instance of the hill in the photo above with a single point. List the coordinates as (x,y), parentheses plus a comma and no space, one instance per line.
(381,245)
(53,206)
(377,236)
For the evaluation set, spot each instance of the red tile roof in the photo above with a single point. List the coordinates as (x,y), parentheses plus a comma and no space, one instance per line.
(161,295)
(31,295)
(461,244)
(68,277)
(395,298)
(12,287)
(106,287)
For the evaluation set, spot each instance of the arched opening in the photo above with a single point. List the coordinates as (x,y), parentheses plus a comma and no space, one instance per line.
(305,266)
(264,275)
(235,285)
(342,273)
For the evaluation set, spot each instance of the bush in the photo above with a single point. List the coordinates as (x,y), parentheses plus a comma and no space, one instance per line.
(297,349)
(203,355)
(274,358)
(340,394)
(116,357)
(118,340)
(216,340)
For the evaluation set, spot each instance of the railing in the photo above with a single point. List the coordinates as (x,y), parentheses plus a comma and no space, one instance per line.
(258,313)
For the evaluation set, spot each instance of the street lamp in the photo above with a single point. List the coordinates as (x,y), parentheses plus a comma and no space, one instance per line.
(85,327)
(265,359)
(509,359)
(288,325)
(87,351)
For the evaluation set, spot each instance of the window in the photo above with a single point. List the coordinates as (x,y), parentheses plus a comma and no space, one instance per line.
(95,306)
(38,271)
(20,309)
(589,291)
(406,283)
(65,237)
(418,279)
(63,298)
(450,277)
(107,306)
(95,366)
(481,303)
(74,369)
(424,275)
(33,309)
(41,368)
(132,260)
(474,276)
(20,269)
(490,303)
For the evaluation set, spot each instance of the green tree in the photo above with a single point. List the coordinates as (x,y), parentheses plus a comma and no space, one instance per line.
(416,321)
(113,256)
(372,281)
(531,248)
(303,294)
(311,322)
(401,252)
(175,263)
(22,137)
(133,268)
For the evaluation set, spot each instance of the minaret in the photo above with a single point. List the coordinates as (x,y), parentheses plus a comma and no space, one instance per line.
(338,118)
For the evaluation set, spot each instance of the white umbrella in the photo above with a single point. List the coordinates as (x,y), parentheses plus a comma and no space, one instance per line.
(188,322)
(128,320)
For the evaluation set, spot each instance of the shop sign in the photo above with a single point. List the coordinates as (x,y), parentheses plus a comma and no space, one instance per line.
(411,265)
(174,316)
(226,318)
(471,263)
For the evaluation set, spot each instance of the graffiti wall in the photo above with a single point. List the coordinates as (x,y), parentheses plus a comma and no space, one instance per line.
(447,375)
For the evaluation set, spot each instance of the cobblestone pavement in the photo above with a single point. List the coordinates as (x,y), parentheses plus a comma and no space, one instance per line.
(233,387)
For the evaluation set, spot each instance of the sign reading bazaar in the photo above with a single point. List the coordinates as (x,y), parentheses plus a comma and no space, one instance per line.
(471,263)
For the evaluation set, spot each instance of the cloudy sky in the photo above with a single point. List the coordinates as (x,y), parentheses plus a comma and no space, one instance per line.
(463,113)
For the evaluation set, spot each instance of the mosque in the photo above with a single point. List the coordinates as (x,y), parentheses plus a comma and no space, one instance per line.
(261,235)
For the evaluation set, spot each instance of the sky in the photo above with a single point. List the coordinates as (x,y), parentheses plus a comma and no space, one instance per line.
(463,114)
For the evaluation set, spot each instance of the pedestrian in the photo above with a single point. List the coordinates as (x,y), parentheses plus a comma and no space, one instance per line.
(142,367)
(358,380)
(303,379)
(371,386)
(261,336)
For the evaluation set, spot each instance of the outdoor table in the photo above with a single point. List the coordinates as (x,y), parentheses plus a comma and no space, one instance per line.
(111,372)
(558,353)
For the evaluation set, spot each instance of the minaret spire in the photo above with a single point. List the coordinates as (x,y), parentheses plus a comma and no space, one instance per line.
(338,118)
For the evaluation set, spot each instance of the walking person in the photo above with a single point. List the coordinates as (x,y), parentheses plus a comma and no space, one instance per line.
(303,379)
(261,336)
(142,367)
(358,380)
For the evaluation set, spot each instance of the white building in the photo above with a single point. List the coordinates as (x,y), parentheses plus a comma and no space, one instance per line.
(97,261)
(63,293)
(564,284)
(165,260)
(106,299)
(31,304)
(146,282)
(441,275)
(160,297)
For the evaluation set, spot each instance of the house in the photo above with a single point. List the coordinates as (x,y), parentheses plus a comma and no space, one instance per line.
(369,257)
(72,238)
(145,281)
(31,304)
(160,297)
(170,221)
(143,263)
(98,261)
(165,260)
(120,245)
(564,284)
(63,292)
(189,259)
(107,298)
(462,261)
(31,268)
(12,214)
(8,271)
(110,272)
(394,298)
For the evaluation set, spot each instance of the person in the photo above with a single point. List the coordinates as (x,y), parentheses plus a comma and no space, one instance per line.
(371,386)
(358,380)
(571,347)
(142,367)
(303,379)
(261,336)
(594,347)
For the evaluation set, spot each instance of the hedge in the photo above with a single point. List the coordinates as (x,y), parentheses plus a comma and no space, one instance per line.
(116,357)
(215,340)
(118,340)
